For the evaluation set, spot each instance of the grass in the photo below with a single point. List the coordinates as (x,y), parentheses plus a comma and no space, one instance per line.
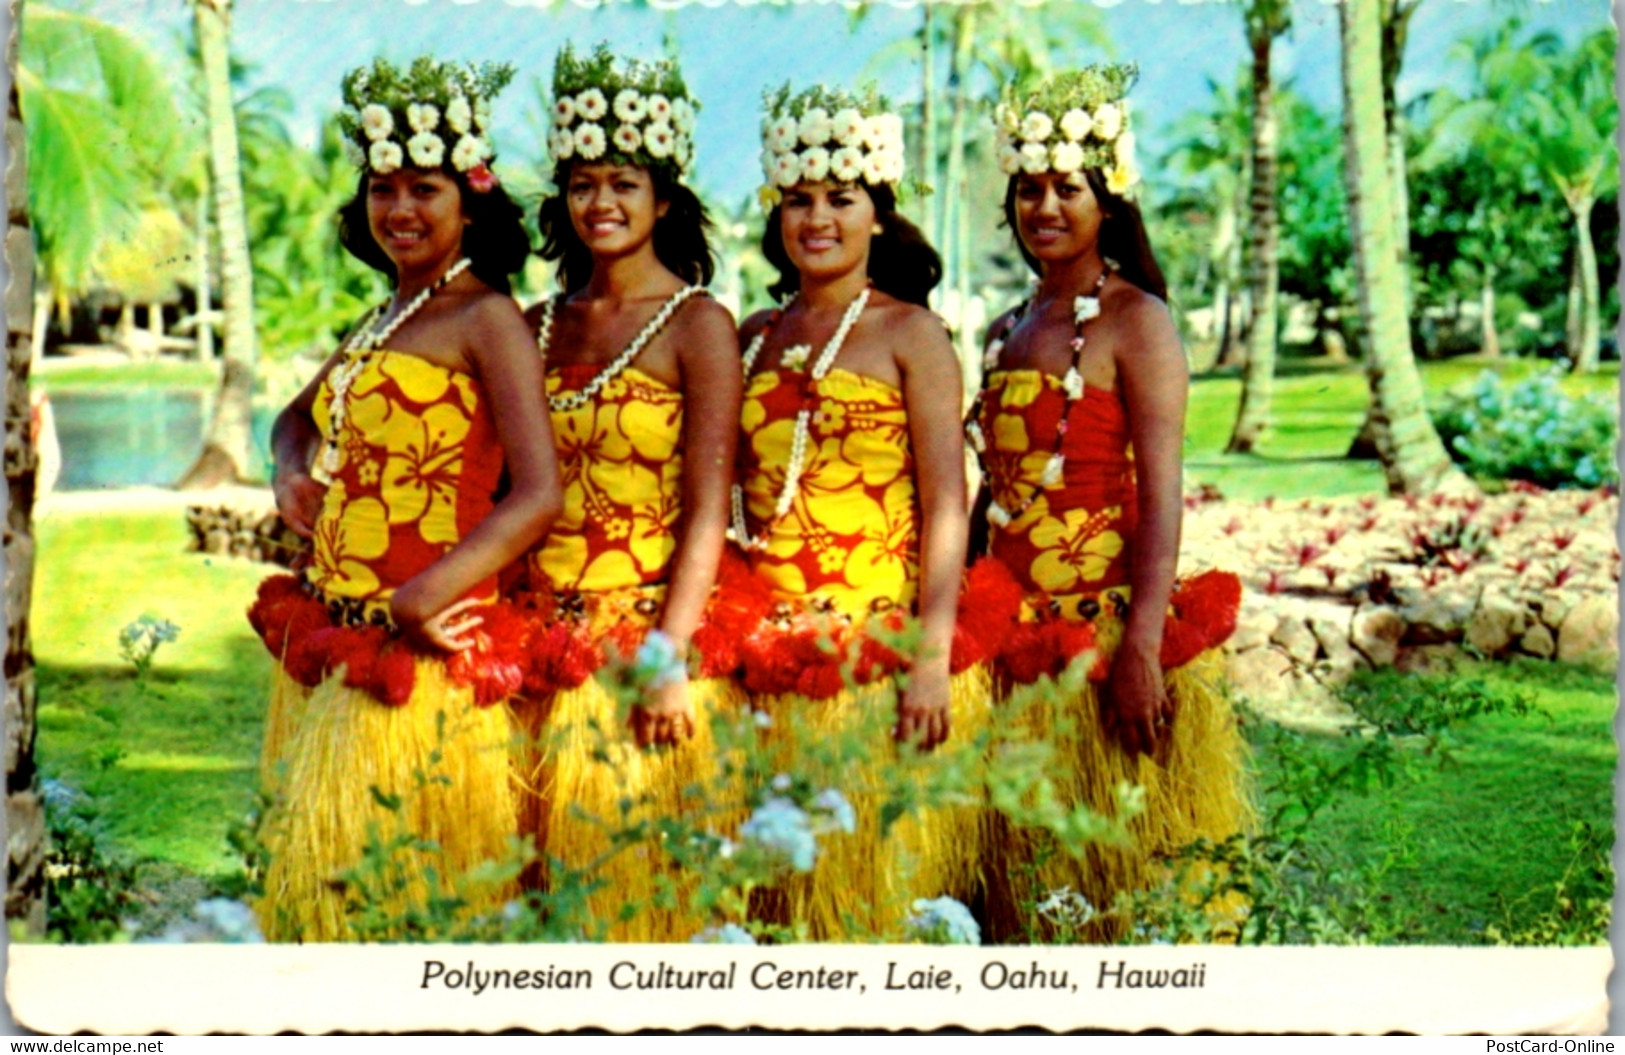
(66,374)
(1317,410)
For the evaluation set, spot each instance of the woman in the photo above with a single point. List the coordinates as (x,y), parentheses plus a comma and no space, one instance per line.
(390,462)
(643,387)
(850,506)
(1080,425)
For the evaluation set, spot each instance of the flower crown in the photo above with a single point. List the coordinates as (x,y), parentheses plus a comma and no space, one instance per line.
(640,114)
(827,133)
(392,118)
(1073,120)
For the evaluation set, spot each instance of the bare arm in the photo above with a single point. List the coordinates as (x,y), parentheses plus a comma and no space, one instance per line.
(295,445)
(1155,380)
(503,356)
(932,396)
(708,359)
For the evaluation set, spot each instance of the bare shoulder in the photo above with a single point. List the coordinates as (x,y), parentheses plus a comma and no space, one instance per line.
(754,323)
(533,314)
(704,320)
(491,320)
(1147,336)
(918,335)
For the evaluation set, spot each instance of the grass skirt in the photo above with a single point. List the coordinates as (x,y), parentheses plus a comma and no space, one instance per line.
(283,716)
(443,757)
(1201,792)
(863,885)
(592,799)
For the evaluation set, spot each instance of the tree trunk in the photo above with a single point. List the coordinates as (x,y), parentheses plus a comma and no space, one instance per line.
(1413,459)
(228,440)
(1396,19)
(1490,346)
(955,243)
(1259,380)
(928,122)
(1584,348)
(25,815)
(205,299)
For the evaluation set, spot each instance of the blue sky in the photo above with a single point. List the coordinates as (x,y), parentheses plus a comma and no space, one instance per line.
(732,51)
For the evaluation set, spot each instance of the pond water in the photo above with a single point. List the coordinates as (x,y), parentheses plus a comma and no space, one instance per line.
(138,436)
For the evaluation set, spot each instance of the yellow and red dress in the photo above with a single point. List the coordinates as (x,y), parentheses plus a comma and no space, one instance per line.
(597,586)
(839,571)
(1071,550)
(364,715)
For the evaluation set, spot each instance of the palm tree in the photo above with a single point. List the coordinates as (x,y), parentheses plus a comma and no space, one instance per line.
(1413,458)
(1265,20)
(227,441)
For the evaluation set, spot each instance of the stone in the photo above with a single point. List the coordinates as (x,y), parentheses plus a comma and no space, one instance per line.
(1538,641)
(1495,623)
(1375,633)
(1254,626)
(1427,659)
(1260,674)
(1438,617)
(1296,639)
(1590,634)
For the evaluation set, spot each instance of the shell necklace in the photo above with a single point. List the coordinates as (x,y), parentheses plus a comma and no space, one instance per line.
(803,427)
(576,400)
(354,353)
(1084,309)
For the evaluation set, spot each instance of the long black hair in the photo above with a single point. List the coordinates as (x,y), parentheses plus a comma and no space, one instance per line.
(1122,235)
(494,241)
(681,239)
(901,262)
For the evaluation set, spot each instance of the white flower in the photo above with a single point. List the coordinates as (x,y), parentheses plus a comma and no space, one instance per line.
(682,116)
(814,164)
(1034,158)
(591,105)
(487,151)
(786,170)
(1121,178)
(561,144)
(978,442)
(891,166)
(780,827)
(422,117)
(1072,383)
(482,114)
(658,139)
(682,150)
(427,150)
(840,816)
(846,165)
(849,127)
(990,358)
(353,153)
(629,105)
(1123,150)
(469,151)
(943,921)
(781,782)
(590,141)
(1009,121)
(1108,121)
(875,168)
(564,111)
(769,161)
(1009,159)
(795,356)
(385,156)
(1067,907)
(1084,309)
(1036,126)
(997,516)
(784,135)
(659,108)
(459,115)
(627,138)
(1076,124)
(1066,158)
(816,127)
(376,122)
(761,719)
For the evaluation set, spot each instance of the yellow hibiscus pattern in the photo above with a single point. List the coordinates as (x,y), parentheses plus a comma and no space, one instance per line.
(419,463)
(621,465)
(851,536)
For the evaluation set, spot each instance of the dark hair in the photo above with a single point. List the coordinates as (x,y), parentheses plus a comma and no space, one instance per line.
(494,240)
(680,240)
(1122,236)
(901,262)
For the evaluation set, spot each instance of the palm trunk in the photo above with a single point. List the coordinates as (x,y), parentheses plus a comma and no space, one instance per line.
(1413,459)
(1584,347)
(205,299)
(25,815)
(1259,381)
(1491,343)
(955,242)
(227,442)
(928,122)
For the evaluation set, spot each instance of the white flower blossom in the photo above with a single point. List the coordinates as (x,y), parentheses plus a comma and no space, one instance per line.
(1076,124)
(376,122)
(459,115)
(1123,150)
(943,921)
(658,107)
(468,152)
(1009,159)
(564,111)
(658,140)
(814,164)
(1085,308)
(781,828)
(422,117)
(682,116)
(816,127)
(482,114)
(1072,383)
(1066,158)
(627,138)
(1120,178)
(874,168)
(839,814)
(846,165)
(786,170)
(849,127)
(629,105)
(1054,470)
(682,150)
(385,156)
(427,150)
(591,105)
(997,516)
(1108,121)
(590,141)
(1008,120)
(784,135)
(891,166)
(1036,126)
(1034,158)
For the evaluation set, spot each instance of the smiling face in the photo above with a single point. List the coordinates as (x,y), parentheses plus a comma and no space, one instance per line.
(1057,217)
(416,217)
(827,227)
(613,208)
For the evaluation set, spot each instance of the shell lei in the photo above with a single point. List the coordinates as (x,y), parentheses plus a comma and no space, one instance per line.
(354,353)
(612,370)
(803,427)
(1084,309)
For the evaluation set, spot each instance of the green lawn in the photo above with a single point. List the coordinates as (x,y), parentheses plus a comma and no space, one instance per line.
(66,374)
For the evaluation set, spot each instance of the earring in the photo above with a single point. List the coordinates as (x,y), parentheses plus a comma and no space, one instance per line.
(875,228)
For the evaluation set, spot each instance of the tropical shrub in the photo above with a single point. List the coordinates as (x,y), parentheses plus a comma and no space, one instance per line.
(1531,430)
